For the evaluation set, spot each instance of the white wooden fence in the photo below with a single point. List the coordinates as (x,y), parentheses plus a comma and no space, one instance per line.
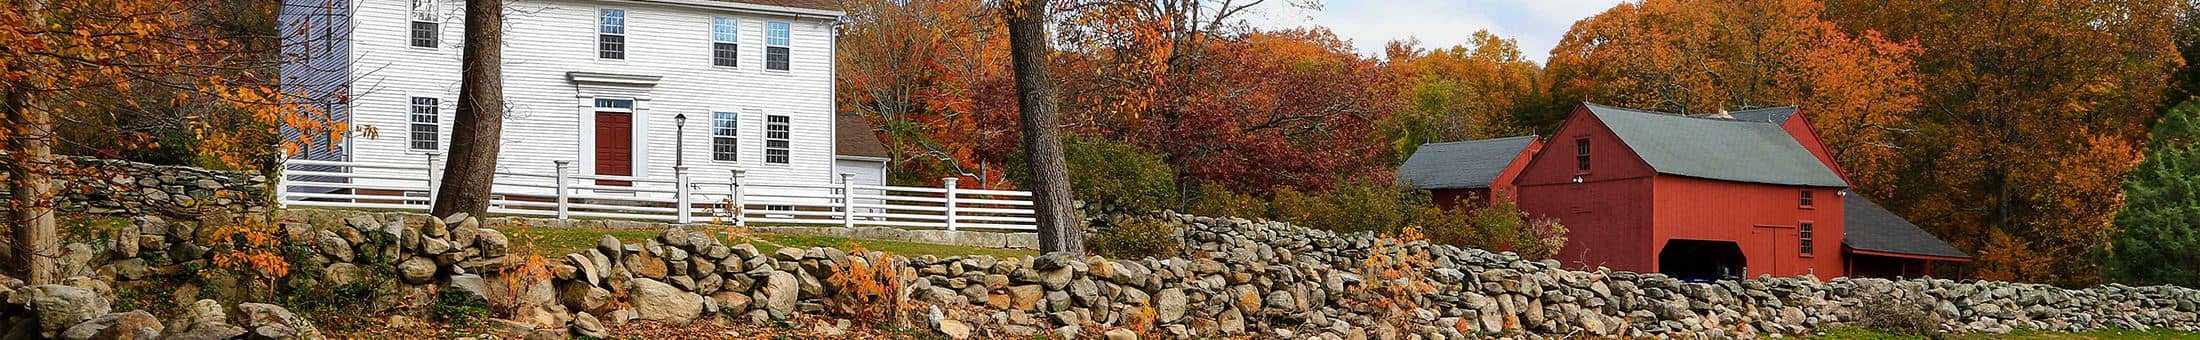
(684,198)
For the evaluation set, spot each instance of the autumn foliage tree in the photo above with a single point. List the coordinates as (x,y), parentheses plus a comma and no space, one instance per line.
(1483,89)
(63,61)
(1701,56)
(2032,112)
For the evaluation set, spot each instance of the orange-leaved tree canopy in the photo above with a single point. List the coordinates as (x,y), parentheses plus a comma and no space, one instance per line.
(63,63)
(2031,115)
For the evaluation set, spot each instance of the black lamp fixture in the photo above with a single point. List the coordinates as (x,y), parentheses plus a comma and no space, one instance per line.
(679,139)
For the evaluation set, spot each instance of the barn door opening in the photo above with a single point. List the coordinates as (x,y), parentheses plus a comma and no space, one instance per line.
(1699,261)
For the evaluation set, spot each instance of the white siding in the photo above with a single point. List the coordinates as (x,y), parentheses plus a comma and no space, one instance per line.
(549,117)
(319,43)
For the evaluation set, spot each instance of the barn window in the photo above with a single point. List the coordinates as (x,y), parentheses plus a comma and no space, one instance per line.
(725,42)
(777,129)
(1803,238)
(1807,200)
(425,23)
(776,53)
(724,129)
(424,128)
(611,34)
(1581,154)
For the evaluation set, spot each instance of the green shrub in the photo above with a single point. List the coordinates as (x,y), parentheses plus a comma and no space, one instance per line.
(1135,238)
(1112,173)
(460,308)
(1351,207)
(1216,200)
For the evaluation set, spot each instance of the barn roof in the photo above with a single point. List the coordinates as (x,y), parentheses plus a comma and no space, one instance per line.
(1870,227)
(856,138)
(1721,149)
(1775,115)
(1461,165)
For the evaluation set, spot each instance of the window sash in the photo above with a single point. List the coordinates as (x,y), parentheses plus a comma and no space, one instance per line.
(724,29)
(725,140)
(777,58)
(614,104)
(777,129)
(725,54)
(1807,200)
(777,34)
(1804,238)
(611,21)
(611,34)
(425,10)
(1581,154)
(425,123)
(424,34)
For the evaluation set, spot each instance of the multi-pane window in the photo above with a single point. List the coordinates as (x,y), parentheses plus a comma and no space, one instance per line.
(424,125)
(1581,154)
(777,129)
(624,104)
(1803,238)
(425,23)
(1807,199)
(611,34)
(776,38)
(725,42)
(724,130)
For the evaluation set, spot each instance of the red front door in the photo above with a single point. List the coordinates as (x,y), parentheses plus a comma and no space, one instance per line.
(614,146)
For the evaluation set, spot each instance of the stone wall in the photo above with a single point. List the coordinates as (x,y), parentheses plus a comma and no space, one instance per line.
(1234,278)
(118,187)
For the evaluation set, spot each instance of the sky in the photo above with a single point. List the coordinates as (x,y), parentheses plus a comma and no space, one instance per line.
(1536,24)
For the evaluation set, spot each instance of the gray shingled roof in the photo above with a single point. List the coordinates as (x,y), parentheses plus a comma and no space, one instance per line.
(1870,227)
(1731,150)
(1461,165)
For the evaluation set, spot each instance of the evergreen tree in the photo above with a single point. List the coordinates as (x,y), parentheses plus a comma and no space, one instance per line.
(2159,241)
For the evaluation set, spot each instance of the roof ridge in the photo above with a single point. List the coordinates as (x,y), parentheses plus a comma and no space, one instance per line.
(1676,115)
(1492,139)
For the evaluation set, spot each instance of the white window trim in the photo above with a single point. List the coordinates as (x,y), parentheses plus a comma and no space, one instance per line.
(767,55)
(737,156)
(438,114)
(713,45)
(766,145)
(626,46)
(412,15)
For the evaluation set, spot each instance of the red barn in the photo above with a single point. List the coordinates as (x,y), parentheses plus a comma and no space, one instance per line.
(1741,194)
(1468,171)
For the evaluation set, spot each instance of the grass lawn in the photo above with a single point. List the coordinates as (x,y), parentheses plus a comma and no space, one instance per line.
(1860,333)
(562,240)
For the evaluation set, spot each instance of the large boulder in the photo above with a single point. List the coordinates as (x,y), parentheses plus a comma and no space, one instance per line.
(59,307)
(659,301)
(780,291)
(417,270)
(273,322)
(129,325)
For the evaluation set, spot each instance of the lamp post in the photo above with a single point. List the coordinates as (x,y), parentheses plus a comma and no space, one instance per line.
(679,139)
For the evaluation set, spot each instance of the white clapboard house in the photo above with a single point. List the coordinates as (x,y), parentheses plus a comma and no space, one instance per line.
(597,87)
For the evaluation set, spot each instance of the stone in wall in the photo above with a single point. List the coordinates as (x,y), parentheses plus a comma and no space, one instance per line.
(117,187)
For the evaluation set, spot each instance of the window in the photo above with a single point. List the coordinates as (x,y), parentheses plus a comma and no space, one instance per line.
(611,34)
(724,128)
(1807,199)
(424,127)
(425,22)
(725,42)
(776,131)
(1581,154)
(623,104)
(775,46)
(1803,237)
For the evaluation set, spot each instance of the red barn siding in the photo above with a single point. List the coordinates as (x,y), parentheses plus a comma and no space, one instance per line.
(1799,127)
(1608,214)
(1761,218)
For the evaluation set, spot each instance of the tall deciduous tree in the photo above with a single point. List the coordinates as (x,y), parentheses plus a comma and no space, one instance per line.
(475,137)
(1482,89)
(2158,242)
(66,60)
(1700,56)
(1059,228)
(2032,112)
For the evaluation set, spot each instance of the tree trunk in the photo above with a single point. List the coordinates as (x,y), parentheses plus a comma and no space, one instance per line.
(480,119)
(1059,228)
(33,243)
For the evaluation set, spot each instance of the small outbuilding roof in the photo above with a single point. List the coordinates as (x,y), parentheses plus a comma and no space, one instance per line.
(1461,165)
(856,138)
(1872,228)
(1712,148)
